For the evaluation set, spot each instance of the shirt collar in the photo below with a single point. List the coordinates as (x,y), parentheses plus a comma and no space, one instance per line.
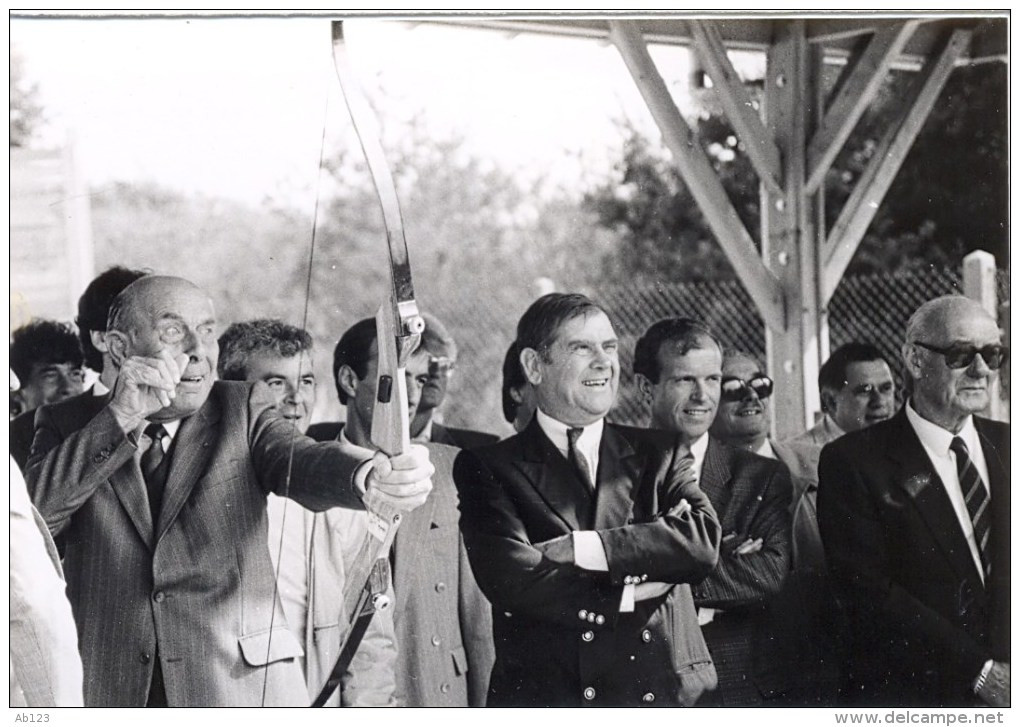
(699,448)
(425,435)
(937,439)
(364,452)
(766,450)
(830,426)
(99,389)
(556,430)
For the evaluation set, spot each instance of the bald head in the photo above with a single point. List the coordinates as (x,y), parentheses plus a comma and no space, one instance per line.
(949,344)
(936,316)
(158,314)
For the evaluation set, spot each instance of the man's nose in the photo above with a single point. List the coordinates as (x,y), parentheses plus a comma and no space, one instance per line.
(64,383)
(978,367)
(293,395)
(698,393)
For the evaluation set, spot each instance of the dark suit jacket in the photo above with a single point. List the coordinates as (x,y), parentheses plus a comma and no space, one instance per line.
(751,495)
(195,589)
(443,622)
(560,637)
(921,622)
(22,430)
(462,438)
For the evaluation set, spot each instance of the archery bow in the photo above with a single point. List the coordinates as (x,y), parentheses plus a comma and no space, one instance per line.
(398,328)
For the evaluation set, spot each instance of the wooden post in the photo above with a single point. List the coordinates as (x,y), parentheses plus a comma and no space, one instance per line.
(789,240)
(979,285)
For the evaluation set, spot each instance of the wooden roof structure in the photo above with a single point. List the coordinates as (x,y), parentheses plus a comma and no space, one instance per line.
(792,138)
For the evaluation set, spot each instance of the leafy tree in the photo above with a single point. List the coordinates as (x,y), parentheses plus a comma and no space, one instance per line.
(950,197)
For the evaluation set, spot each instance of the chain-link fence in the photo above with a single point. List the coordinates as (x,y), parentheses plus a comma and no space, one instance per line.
(872,308)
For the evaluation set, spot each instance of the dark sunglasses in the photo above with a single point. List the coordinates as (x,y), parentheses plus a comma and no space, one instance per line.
(736,389)
(441,365)
(960,357)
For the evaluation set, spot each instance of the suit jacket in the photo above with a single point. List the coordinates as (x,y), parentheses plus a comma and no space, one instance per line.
(751,495)
(194,589)
(45,666)
(461,438)
(22,430)
(561,639)
(802,460)
(443,622)
(921,621)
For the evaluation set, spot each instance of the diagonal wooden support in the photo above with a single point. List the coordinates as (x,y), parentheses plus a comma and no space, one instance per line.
(861,207)
(700,176)
(736,102)
(859,91)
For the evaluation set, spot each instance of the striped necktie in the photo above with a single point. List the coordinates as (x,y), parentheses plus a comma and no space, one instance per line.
(976,496)
(154,467)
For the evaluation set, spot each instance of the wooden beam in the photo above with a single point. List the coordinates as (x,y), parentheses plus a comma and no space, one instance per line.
(878,176)
(857,93)
(736,102)
(790,243)
(700,176)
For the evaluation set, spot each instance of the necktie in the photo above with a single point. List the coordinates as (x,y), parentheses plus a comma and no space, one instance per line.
(154,467)
(577,459)
(976,497)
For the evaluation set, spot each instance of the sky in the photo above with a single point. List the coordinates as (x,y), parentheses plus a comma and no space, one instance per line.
(236,107)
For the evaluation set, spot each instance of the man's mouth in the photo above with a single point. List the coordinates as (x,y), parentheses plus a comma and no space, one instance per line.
(596,383)
(697,412)
(192,379)
(751,411)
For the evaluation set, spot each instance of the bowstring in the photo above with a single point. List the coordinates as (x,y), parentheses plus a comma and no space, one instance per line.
(296,433)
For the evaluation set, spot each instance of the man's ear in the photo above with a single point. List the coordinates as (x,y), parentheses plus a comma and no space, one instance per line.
(912,359)
(116,345)
(99,341)
(644,386)
(828,398)
(531,363)
(347,380)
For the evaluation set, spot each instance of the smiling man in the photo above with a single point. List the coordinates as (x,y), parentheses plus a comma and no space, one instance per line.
(586,535)
(915,516)
(678,367)
(161,496)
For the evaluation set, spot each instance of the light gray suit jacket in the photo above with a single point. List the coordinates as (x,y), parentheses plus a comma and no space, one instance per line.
(195,589)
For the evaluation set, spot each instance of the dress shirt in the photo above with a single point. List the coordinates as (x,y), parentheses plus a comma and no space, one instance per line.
(425,435)
(287,538)
(99,388)
(589,553)
(765,450)
(699,448)
(936,441)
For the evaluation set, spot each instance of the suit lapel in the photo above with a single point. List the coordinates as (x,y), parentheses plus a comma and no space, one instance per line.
(617,476)
(917,477)
(190,453)
(128,484)
(551,475)
(996,451)
(715,478)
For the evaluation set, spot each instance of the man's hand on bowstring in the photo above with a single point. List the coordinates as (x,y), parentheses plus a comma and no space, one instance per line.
(403,482)
(145,384)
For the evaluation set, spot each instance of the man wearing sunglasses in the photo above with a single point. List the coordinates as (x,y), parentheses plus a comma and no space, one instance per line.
(914,514)
(442,350)
(678,369)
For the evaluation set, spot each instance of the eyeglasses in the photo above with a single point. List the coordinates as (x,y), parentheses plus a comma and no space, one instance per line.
(734,389)
(961,356)
(441,365)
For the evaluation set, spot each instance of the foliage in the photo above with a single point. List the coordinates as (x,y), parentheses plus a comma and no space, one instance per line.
(950,197)
(26,110)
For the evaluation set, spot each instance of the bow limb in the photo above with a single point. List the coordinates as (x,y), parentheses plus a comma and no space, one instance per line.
(398,326)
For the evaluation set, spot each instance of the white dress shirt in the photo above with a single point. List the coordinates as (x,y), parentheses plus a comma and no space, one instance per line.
(936,441)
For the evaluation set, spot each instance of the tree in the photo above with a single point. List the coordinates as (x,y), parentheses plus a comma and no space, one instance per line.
(26,111)
(950,197)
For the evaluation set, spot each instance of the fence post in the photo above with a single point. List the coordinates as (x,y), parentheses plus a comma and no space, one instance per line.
(979,285)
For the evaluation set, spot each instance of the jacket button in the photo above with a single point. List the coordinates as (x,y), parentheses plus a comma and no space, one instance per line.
(587,636)
(436,641)
(158,598)
(646,636)
(440,587)
(145,657)
(600,619)
(444,688)
(507,614)
(591,617)
(582,614)
(589,693)
(649,697)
